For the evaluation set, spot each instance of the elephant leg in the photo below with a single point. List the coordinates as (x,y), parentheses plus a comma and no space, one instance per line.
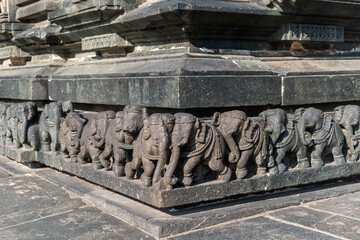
(339,158)
(94,155)
(119,162)
(303,160)
(82,155)
(218,166)
(279,160)
(63,150)
(45,141)
(241,170)
(188,169)
(147,175)
(16,142)
(105,156)
(261,165)
(316,155)
(132,167)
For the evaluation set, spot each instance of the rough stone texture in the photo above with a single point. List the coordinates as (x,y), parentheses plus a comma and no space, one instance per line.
(162,223)
(203,192)
(19,155)
(256,228)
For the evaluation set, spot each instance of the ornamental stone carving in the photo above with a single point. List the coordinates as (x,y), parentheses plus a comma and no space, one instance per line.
(245,138)
(120,136)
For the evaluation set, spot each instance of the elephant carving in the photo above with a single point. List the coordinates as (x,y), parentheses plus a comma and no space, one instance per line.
(49,124)
(120,136)
(71,128)
(195,142)
(151,149)
(283,138)
(27,130)
(348,117)
(3,122)
(319,131)
(92,141)
(245,138)
(12,125)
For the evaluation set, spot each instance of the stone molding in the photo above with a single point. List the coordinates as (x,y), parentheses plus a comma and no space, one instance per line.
(104,42)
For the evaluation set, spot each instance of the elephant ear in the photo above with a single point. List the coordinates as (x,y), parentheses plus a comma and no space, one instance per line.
(66,107)
(298,113)
(146,133)
(200,131)
(216,119)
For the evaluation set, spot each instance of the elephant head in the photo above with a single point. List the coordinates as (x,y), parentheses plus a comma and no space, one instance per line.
(157,135)
(275,122)
(98,128)
(133,120)
(158,127)
(230,124)
(311,120)
(71,128)
(26,113)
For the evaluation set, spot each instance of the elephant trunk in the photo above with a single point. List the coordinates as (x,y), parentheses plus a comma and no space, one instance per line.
(174,159)
(304,138)
(163,153)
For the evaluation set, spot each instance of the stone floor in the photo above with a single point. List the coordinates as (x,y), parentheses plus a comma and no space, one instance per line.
(34,208)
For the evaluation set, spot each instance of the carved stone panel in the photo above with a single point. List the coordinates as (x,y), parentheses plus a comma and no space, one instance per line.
(309,32)
(104,41)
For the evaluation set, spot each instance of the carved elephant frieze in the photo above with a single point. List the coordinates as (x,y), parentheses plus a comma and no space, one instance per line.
(71,128)
(92,142)
(151,149)
(348,118)
(319,131)
(49,125)
(120,136)
(284,138)
(195,142)
(246,140)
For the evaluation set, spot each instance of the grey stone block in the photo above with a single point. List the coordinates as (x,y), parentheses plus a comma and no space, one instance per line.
(199,193)
(20,155)
(167,222)
(36,10)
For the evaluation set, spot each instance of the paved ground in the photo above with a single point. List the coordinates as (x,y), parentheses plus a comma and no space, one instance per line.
(35,208)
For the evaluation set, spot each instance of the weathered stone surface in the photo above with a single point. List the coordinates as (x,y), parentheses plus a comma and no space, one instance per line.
(36,10)
(19,155)
(163,223)
(255,228)
(327,222)
(203,192)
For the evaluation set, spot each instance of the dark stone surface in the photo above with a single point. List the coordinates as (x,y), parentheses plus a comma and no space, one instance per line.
(203,192)
(326,221)
(345,205)
(255,228)
(84,223)
(162,223)
(20,155)
(300,90)
(175,82)
(34,208)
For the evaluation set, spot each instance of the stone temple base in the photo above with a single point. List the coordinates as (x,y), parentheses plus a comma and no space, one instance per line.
(205,192)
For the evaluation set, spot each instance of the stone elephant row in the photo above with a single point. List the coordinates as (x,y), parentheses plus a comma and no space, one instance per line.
(22,125)
(166,150)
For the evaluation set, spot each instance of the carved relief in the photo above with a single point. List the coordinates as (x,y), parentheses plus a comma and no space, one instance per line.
(27,129)
(11,131)
(3,122)
(348,117)
(151,150)
(49,125)
(121,134)
(195,142)
(167,150)
(318,131)
(283,138)
(245,138)
(93,138)
(71,128)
